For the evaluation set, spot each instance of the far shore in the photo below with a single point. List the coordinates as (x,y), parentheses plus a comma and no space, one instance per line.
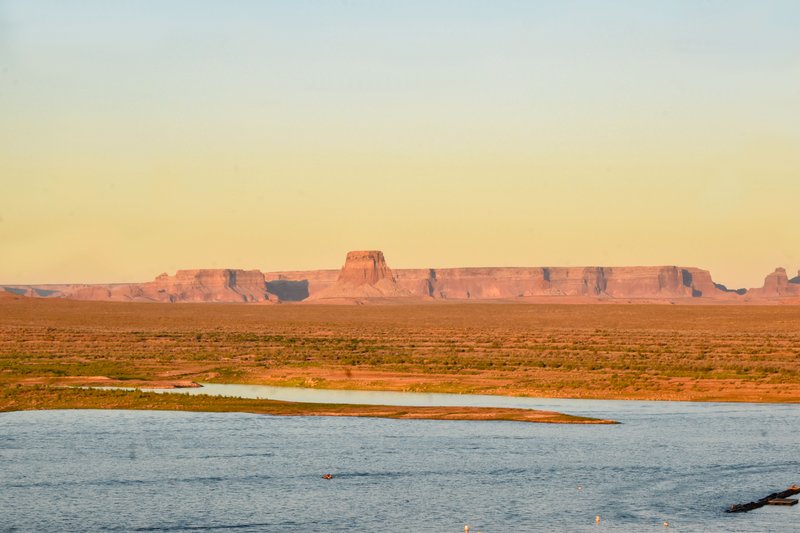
(27,398)
(669,353)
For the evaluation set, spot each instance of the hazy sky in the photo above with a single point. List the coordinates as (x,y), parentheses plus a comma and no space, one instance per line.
(145,136)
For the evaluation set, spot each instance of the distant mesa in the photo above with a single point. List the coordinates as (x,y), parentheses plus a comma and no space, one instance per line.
(203,285)
(209,285)
(366,277)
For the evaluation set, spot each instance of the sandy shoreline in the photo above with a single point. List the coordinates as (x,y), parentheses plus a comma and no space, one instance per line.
(25,398)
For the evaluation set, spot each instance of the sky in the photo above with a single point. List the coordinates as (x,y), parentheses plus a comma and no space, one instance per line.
(140,137)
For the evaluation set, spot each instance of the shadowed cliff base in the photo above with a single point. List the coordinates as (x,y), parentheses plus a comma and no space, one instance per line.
(288,290)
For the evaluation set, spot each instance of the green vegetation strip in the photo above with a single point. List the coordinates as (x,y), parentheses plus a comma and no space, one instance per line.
(26,398)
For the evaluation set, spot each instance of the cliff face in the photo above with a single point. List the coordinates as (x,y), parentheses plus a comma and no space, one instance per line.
(91,293)
(208,285)
(205,285)
(416,281)
(646,282)
(365,268)
(364,275)
(777,285)
(574,281)
(470,283)
(593,282)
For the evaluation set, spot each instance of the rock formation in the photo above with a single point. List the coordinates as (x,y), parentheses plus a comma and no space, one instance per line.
(777,285)
(206,285)
(91,292)
(365,268)
(210,285)
(591,282)
(364,275)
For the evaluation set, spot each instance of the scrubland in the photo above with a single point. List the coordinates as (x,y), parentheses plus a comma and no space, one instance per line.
(726,353)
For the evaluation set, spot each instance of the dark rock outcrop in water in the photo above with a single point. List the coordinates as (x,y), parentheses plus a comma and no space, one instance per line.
(767,500)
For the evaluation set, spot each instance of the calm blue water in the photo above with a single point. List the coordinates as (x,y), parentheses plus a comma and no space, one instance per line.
(167,471)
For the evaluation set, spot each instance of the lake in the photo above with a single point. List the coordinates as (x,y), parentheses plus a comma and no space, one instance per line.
(170,471)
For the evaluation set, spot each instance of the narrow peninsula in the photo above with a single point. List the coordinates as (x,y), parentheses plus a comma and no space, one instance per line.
(26,398)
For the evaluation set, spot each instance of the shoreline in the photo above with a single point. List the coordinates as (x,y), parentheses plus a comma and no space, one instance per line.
(31,398)
(168,388)
(383,385)
(443,388)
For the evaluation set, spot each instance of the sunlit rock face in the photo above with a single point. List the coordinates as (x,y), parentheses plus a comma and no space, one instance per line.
(777,285)
(472,283)
(365,268)
(364,275)
(202,285)
(592,282)
(209,285)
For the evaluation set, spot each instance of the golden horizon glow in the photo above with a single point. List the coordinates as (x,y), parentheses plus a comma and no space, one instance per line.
(280,136)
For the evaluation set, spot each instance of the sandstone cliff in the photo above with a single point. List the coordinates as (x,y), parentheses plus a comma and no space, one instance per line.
(209,285)
(777,285)
(205,285)
(364,275)
(591,282)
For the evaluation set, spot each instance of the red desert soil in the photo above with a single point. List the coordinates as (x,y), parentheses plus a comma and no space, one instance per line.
(703,353)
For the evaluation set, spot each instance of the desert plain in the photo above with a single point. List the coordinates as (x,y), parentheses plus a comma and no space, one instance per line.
(642,352)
